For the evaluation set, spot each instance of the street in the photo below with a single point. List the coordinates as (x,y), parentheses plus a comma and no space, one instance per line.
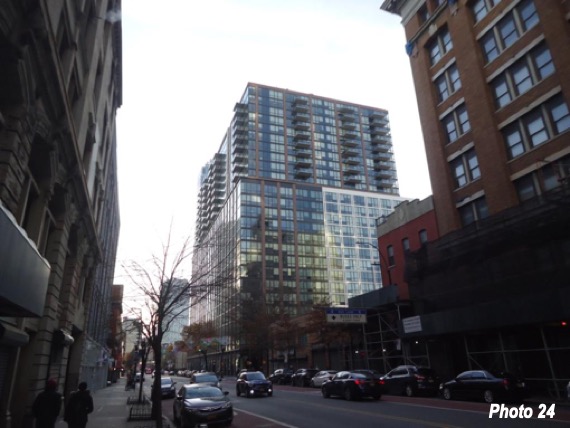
(305,407)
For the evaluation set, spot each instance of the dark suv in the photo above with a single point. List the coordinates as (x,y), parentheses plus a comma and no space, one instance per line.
(411,380)
(302,377)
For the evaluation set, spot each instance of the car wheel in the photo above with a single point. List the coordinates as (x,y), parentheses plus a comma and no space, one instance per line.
(447,393)
(348,396)
(325,393)
(270,394)
(376,397)
(237,392)
(488,396)
(312,384)
(409,391)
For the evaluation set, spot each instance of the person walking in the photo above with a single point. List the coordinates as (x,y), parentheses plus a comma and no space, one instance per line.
(80,404)
(47,405)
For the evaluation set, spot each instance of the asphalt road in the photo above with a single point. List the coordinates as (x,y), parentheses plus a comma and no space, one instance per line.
(293,407)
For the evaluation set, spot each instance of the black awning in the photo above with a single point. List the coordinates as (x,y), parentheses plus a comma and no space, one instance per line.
(12,336)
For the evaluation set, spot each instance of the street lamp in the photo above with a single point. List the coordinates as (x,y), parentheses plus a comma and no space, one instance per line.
(388,269)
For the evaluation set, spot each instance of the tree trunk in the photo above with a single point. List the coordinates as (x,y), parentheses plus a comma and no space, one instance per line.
(156,396)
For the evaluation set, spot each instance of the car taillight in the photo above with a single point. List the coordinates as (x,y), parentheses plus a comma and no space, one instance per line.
(381,382)
(506,383)
(357,382)
(419,377)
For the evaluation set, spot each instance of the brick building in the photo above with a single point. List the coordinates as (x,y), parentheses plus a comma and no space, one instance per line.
(492,80)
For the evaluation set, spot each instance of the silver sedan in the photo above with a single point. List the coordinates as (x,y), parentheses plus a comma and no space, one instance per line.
(321,377)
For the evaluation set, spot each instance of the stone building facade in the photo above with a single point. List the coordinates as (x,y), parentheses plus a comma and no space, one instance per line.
(60,88)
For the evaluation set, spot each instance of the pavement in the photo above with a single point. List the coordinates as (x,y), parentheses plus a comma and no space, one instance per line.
(112,411)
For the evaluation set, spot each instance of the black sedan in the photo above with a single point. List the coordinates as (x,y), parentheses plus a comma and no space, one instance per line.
(200,404)
(302,377)
(483,385)
(253,383)
(167,387)
(353,386)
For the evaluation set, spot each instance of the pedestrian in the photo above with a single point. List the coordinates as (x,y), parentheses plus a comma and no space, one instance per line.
(79,405)
(47,405)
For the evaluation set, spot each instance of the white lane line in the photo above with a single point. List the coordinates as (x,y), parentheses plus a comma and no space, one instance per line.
(236,412)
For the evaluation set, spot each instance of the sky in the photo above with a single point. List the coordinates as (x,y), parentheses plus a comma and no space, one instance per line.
(187,62)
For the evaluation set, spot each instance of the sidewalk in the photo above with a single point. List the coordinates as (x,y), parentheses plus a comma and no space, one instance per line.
(111,409)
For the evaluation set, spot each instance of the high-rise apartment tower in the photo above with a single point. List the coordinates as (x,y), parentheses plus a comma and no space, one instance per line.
(288,205)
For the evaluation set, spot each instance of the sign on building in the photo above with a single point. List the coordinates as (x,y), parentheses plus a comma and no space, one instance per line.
(346,316)
(412,324)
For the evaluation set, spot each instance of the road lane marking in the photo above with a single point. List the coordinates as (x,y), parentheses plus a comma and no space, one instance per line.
(380,415)
(236,412)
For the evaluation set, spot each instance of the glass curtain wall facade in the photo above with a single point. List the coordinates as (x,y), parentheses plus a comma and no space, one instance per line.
(287,207)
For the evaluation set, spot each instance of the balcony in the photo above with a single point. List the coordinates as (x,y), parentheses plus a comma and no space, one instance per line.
(300,105)
(349,134)
(301,163)
(353,160)
(302,135)
(349,152)
(24,273)
(382,148)
(384,165)
(349,142)
(303,153)
(302,144)
(303,173)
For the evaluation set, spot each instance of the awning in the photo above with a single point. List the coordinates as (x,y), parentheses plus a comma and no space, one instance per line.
(12,336)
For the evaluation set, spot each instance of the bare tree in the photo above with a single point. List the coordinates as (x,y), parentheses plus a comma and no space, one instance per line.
(166,296)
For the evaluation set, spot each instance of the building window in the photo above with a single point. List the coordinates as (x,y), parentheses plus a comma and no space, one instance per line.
(525,188)
(439,45)
(390,252)
(473,211)
(406,245)
(481,8)
(422,234)
(547,178)
(509,29)
(423,14)
(448,83)
(522,75)
(465,168)
(456,123)
(538,126)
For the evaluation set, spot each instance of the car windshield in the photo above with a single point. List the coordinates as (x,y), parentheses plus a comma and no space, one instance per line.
(166,381)
(205,378)
(206,392)
(255,376)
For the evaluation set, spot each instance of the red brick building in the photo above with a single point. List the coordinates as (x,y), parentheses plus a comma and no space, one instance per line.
(492,79)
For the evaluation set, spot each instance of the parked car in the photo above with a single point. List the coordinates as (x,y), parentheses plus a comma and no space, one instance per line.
(202,404)
(167,388)
(411,380)
(483,385)
(253,383)
(302,377)
(375,373)
(138,377)
(319,378)
(206,378)
(281,376)
(353,386)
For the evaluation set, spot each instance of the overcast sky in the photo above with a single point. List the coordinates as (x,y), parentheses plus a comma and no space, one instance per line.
(187,62)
